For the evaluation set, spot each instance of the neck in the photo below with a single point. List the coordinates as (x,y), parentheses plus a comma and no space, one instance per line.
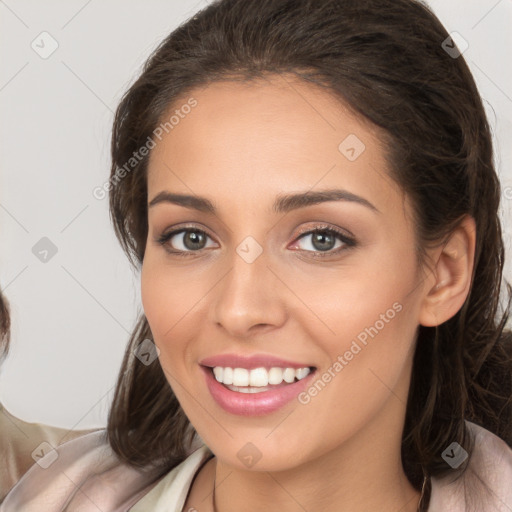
(365,473)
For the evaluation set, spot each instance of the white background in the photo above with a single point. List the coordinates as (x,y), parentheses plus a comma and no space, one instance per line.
(73,314)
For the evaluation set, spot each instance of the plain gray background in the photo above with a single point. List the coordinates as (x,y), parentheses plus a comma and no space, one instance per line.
(72,314)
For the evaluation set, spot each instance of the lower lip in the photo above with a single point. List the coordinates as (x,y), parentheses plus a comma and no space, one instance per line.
(253,404)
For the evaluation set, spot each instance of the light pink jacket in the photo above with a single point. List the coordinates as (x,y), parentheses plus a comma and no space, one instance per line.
(84,475)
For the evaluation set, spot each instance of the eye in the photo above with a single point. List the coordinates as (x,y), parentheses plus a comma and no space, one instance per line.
(324,241)
(321,241)
(184,240)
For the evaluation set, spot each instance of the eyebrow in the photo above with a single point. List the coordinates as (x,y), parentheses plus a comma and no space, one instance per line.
(282,204)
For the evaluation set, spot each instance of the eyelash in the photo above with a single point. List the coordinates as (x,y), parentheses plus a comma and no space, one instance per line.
(348,242)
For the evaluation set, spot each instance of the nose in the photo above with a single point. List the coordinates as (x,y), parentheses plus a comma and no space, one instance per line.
(249,298)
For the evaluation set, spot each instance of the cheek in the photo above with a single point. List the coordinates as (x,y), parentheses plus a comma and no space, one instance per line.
(368,356)
(172,303)
(159,294)
(364,321)
(356,300)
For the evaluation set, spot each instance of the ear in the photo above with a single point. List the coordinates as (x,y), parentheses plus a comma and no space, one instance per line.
(452,274)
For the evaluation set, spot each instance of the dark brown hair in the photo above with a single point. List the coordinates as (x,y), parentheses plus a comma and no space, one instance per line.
(384,58)
(5,327)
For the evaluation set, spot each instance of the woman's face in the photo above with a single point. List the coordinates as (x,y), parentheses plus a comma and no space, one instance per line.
(257,274)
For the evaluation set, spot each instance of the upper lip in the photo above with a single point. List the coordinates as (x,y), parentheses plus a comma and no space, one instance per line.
(250,362)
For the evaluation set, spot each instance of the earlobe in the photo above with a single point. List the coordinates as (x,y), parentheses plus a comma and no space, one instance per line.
(452,273)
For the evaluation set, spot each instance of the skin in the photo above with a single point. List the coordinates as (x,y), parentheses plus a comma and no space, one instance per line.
(240,147)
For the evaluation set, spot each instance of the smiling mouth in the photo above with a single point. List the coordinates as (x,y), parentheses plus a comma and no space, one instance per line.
(258,380)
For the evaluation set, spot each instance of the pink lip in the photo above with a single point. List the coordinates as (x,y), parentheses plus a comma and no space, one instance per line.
(254,404)
(250,362)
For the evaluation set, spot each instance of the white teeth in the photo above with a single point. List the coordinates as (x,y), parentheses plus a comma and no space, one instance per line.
(218,371)
(245,381)
(240,377)
(289,375)
(302,372)
(227,377)
(248,389)
(275,376)
(258,377)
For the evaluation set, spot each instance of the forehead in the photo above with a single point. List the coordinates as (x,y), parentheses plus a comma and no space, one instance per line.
(264,136)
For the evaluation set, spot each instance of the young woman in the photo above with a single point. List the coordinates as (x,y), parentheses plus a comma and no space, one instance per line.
(308,190)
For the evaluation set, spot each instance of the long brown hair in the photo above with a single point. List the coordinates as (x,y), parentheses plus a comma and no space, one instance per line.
(5,327)
(387,61)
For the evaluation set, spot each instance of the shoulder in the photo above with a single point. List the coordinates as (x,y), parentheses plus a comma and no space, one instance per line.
(84,474)
(22,442)
(486,484)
